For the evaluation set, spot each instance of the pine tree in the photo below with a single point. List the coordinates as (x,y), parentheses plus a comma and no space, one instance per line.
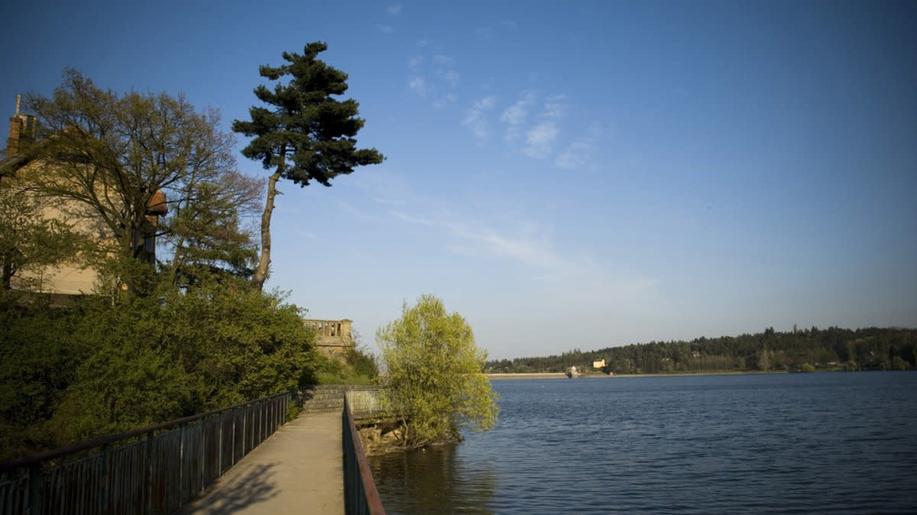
(305,134)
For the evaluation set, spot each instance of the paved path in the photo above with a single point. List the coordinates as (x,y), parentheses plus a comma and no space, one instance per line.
(297,470)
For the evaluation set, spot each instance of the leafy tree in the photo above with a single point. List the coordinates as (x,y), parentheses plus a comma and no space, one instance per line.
(106,156)
(898,363)
(207,234)
(362,362)
(434,376)
(764,360)
(305,134)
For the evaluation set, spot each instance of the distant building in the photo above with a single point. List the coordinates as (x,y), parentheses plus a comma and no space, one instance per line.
(333,338)
(599,363)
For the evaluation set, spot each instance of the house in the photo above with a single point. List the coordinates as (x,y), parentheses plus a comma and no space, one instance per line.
(73,277)
(599,363)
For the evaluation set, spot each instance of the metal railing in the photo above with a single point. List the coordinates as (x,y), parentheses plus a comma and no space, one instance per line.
(155,470)
(360,494)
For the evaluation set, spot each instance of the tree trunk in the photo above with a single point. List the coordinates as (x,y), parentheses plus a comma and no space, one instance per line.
(7,283)
(264,261)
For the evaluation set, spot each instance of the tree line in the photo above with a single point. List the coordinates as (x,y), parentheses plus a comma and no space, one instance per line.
(798,350)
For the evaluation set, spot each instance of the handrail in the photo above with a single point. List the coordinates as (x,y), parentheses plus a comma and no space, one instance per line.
(153,470)
(110,439)
(360,494)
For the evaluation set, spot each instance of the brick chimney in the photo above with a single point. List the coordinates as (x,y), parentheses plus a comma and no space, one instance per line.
(22,130)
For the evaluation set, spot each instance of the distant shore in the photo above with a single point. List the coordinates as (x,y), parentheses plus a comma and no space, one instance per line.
(561,375)
(528,375)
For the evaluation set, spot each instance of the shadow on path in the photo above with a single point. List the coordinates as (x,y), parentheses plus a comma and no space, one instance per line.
(238,493)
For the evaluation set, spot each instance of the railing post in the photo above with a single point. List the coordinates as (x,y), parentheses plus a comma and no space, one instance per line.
(181,464)
(232,451)
(105,476)
(220,446)
(147,495)
(202,466)
(35,489)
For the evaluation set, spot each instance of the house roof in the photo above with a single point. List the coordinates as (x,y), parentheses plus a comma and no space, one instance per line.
(8,166)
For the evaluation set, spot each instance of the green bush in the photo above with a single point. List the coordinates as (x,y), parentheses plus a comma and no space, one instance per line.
(356,367)
(112,366)
(434,374)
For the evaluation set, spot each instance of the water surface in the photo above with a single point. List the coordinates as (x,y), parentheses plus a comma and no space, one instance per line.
(779,443)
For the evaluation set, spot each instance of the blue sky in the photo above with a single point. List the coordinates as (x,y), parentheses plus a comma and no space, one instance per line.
(564,174)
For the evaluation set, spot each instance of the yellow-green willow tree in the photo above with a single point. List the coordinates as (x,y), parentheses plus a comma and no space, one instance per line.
(434,375)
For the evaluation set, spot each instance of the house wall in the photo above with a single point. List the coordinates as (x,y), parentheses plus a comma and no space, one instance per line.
(69,278)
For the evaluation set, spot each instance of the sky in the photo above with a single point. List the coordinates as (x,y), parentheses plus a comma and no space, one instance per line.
(563,174)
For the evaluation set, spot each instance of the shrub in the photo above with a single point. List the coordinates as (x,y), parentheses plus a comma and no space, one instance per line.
(434,378)
(112,366)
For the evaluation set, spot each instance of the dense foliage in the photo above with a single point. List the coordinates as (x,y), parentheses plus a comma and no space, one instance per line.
(357,367)
(434,376)
(100,367)
(805,350)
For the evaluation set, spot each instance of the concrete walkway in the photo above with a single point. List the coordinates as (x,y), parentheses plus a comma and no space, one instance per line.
(297,470)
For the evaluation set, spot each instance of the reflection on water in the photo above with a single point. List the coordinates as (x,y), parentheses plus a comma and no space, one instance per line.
(782,443)
(435,480)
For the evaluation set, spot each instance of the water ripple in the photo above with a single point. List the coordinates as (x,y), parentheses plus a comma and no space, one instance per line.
(800,443)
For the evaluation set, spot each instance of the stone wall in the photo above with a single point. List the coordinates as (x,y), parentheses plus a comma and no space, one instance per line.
(333,338)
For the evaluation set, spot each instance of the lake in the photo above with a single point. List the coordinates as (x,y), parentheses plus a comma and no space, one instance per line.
(777,443)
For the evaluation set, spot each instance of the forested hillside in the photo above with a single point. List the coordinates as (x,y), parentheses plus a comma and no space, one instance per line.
(808,349)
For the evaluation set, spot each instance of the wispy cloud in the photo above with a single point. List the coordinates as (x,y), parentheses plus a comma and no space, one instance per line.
(443,60)
(444,69)
(418,85)
(527,246)
(434,77)
(517,114)
(530,245)
(540,138)
(450,76)
(537,131)
(580,153)
(554,106)
(516,238)
(574,156)
(387,29)
(394,9)
(476,117)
